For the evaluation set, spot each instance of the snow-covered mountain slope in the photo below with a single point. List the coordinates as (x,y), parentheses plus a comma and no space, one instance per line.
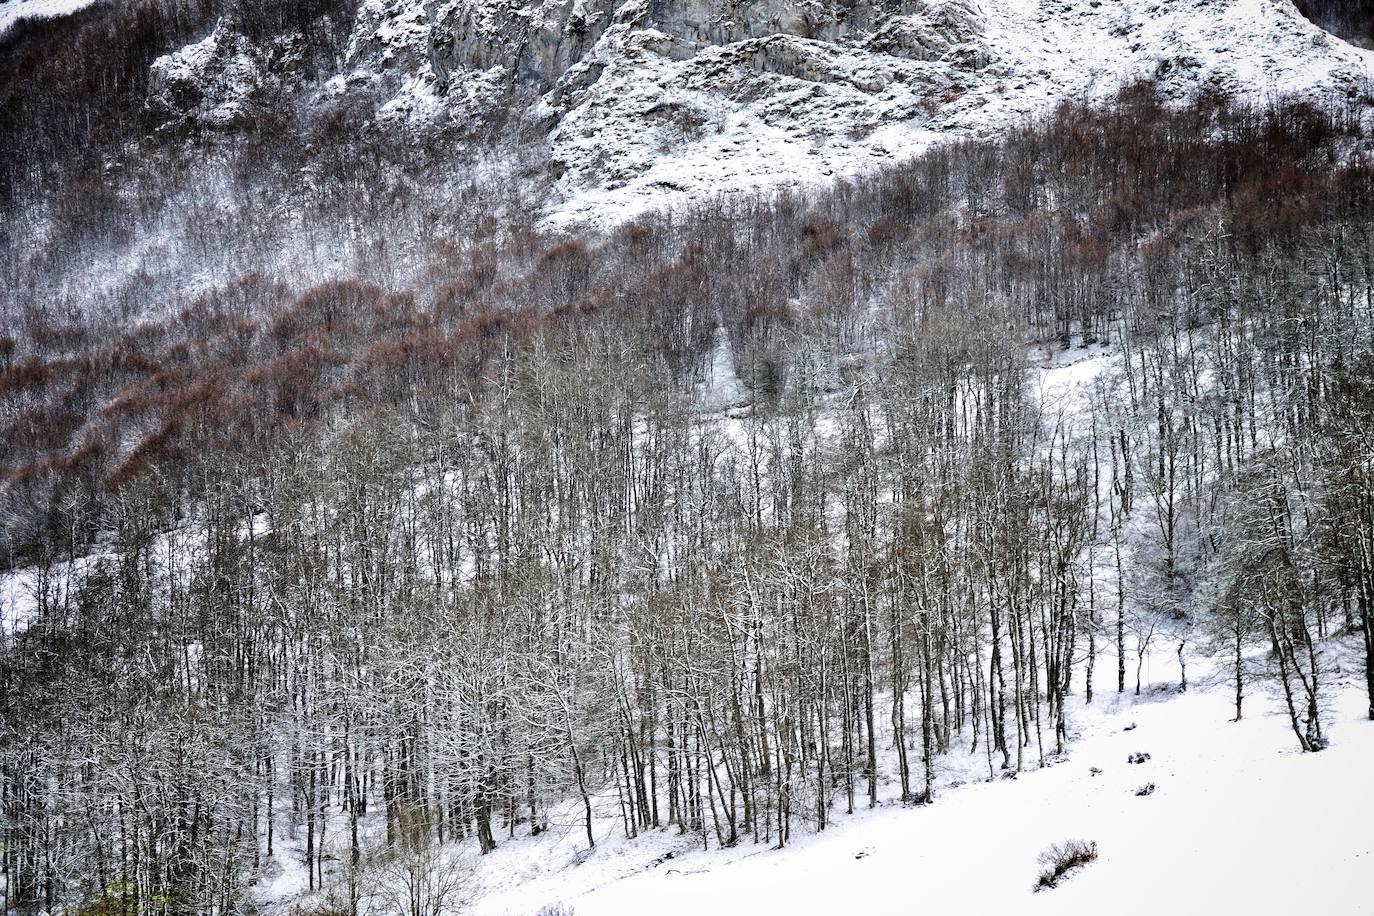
(1239,821)
(11,11)
(784,109)
(654,102)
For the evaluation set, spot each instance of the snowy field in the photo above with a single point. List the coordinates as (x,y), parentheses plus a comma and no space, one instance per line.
(1240,821)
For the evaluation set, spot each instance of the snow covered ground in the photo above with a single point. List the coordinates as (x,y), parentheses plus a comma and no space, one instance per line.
(661,105)
(11,11)
(790,113)
(1240,821)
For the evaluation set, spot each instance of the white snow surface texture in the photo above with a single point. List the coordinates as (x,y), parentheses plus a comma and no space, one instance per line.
(11,11)
(1240,821)
(656,103)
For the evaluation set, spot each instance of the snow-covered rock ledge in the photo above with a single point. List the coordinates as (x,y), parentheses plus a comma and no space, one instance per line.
(655,105)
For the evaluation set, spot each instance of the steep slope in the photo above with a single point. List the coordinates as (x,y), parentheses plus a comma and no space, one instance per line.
(786,109)
(385,430)
(654,102)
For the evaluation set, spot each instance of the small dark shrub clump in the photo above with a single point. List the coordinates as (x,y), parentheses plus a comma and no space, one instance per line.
(1062,858)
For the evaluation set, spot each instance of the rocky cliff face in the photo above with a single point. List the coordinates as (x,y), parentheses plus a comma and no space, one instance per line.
(649,103)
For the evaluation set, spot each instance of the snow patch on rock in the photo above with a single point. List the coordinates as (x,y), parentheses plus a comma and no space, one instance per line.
(213,81)
(648,105)
(786,111)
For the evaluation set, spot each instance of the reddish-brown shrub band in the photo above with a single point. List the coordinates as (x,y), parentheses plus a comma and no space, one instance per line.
(1132,184)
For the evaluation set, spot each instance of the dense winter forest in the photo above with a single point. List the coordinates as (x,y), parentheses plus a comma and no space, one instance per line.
(724,512)
(352,514)
(1353,20)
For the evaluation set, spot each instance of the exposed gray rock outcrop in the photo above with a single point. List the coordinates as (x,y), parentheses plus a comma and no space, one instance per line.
(652,102)
(224,80)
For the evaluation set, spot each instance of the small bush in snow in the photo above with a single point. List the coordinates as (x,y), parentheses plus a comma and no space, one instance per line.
(1062,858)
(1147,789)
(318,909)
(1138,757)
